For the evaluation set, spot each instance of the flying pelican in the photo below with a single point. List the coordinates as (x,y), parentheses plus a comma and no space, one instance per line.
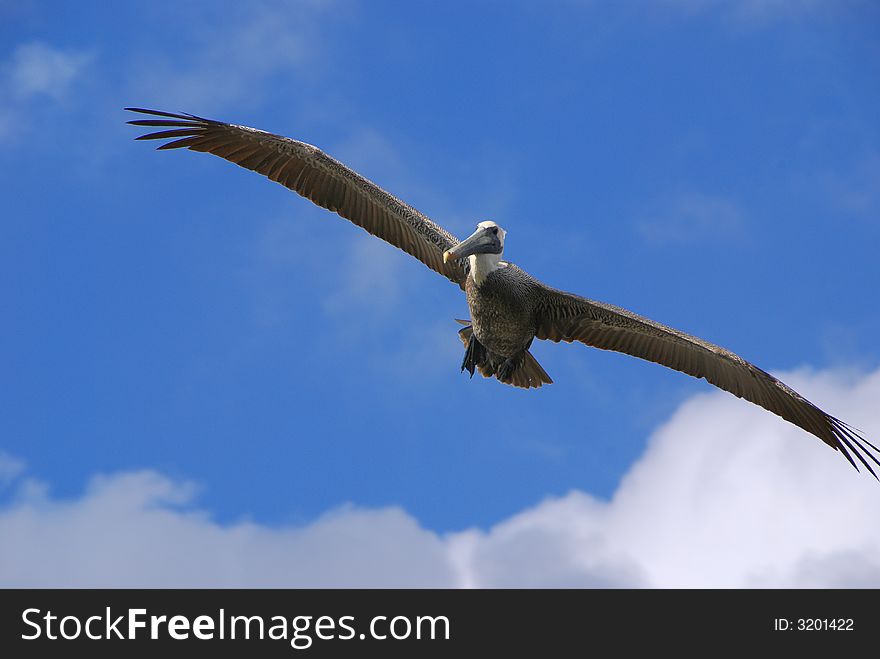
(509,308)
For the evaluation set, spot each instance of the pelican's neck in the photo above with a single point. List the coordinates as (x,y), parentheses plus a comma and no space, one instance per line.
(483,264)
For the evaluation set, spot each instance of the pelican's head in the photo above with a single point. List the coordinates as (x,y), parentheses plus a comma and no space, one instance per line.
(487,239)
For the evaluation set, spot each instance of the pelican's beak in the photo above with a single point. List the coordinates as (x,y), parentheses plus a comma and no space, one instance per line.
(482,241)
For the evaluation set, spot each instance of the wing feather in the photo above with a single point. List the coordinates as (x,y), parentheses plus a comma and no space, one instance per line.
(566,317)
(316,176)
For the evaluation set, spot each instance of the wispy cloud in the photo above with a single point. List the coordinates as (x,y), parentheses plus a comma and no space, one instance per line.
(857,191)
(36,70)
(725,495)
(370,280)
(757,13)
(692,217)
(426,350)
(231,57)
(10,468)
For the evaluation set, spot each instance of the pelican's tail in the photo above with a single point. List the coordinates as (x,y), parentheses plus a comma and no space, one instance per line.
(530,373)
(524,371)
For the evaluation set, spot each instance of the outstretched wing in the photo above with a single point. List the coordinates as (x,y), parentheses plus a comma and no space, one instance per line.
(307,170)
(565,317)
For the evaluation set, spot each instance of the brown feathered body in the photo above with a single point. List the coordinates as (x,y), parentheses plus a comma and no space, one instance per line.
(503,321)
(503,310)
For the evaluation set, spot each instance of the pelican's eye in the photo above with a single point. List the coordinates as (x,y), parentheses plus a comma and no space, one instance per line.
(495,230)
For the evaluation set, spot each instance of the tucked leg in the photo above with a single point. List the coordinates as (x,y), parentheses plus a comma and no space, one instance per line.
(474,354)
(508,366)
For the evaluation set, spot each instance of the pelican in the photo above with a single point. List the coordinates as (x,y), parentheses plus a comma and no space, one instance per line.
(508,307)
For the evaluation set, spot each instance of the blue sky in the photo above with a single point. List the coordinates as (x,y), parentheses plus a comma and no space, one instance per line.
(712,165)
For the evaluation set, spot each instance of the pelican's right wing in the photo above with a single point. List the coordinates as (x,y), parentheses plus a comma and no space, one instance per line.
(566,317)
(309,171)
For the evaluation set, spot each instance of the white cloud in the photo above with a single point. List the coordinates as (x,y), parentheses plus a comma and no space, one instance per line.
(729,495)
(140,529)
(726,495)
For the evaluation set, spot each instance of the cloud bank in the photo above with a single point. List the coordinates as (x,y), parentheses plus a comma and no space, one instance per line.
(725,495)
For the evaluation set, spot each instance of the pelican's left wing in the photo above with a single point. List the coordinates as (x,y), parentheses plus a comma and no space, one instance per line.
(307,170)
(565,317)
